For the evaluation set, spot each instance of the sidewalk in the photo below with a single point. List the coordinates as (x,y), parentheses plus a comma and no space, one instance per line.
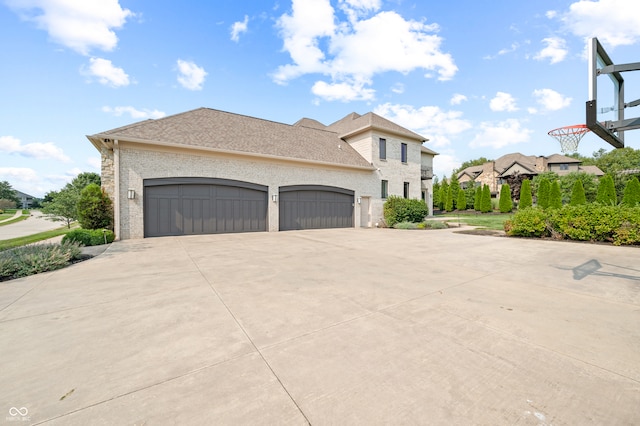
(34,224)
(15,216)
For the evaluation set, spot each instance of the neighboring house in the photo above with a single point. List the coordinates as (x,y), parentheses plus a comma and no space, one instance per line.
(25,200)
(495,173)
(209,171)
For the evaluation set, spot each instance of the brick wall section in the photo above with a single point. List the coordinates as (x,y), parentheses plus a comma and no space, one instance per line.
(137,164)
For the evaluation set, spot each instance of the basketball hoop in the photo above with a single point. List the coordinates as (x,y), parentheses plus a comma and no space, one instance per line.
(569,137)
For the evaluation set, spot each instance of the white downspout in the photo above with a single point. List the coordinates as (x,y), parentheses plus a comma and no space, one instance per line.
(116,189)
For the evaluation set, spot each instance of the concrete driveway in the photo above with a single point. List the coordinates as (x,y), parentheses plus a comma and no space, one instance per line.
(327,327)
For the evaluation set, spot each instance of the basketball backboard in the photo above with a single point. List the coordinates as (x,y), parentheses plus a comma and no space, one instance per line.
(605,109)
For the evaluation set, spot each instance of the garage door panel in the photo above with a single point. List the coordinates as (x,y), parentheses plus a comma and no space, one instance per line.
(315,208)
(188,209)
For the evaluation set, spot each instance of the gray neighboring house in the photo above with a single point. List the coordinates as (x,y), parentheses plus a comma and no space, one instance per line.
(25,199)
(208,171)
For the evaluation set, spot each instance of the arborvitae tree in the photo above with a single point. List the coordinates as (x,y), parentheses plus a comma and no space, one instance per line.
(436,191)
(578,196)
(477,200)
(449,203)
(506,205)
(555,196)
(485,202)
(526,200)
(455,187)
(631,196)
(461,202)
(544,190)
(606,191)
(442,199)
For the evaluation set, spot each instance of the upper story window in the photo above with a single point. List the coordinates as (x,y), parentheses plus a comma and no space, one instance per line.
(383,149)
(403,152)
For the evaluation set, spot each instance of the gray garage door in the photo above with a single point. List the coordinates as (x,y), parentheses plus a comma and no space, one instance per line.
(315,207)
(188,206)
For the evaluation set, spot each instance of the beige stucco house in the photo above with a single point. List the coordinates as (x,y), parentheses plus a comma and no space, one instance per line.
(209,171)
(494,173)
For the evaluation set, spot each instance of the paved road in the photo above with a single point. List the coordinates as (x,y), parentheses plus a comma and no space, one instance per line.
(328,327)
(34,224)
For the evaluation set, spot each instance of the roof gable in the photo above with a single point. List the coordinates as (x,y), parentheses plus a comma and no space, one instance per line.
(355,123)
(218,130)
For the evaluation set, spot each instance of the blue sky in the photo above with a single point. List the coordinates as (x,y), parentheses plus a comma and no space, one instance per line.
(476,78)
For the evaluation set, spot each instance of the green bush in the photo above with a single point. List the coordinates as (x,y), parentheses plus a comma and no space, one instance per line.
(506,204)
(631,196)
(485,200)
(448,205)
(477,199)
(397,209)
(544,193)
(94,208)
(555,195)
(526,199)
(578,196)
(89,237)
(528,222)
(37,258)
(587,222)
(461,202)
(607,191)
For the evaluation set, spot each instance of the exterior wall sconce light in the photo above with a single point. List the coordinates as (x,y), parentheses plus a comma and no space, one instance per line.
(274,198)
(131,194)
(359,200)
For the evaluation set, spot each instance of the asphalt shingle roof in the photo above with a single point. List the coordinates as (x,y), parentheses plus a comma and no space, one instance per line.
(213,129)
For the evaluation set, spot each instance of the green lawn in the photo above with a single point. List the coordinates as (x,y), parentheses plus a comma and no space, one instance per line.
(484,221)
(23,241)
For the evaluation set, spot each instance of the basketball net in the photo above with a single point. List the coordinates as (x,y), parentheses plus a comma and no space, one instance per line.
(569,137)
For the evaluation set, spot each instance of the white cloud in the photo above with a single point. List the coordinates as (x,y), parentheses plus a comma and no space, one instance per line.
(555,51)
(551,14)
(367,43)
(39,151)
(457,99)
(24,179)
(80,25)
(614,22)
(398,88)
(238,28)
(344,91)
(107,73)
(429,121)
(190,75)
(512,48)
(444,164)
(500,134)
(503,102)
(94,162)
(133,112)
(550,100)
